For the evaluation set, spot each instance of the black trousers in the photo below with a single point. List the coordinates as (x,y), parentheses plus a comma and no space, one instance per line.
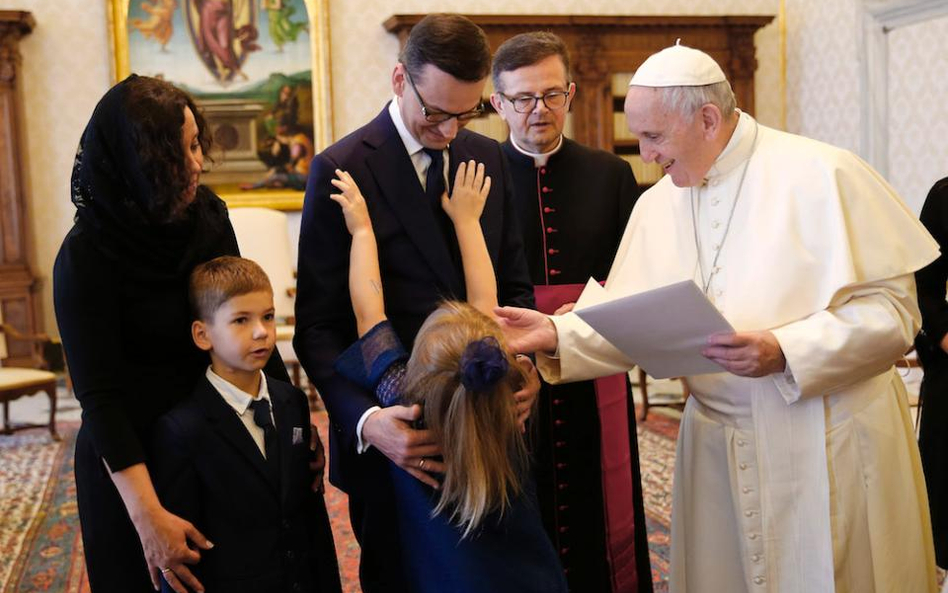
(375,527)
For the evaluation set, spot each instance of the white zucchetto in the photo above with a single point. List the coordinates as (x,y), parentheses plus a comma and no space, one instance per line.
(678,65)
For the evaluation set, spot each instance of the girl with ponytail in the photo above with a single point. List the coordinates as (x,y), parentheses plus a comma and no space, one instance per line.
(481,529)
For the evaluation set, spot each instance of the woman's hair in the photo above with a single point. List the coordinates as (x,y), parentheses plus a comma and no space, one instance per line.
(156,111)
(462,373)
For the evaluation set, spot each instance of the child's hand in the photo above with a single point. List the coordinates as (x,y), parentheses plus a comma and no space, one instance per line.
(352,202)
(471,187)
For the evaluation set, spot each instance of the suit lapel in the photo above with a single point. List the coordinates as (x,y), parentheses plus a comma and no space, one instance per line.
(398,184)
(229,426)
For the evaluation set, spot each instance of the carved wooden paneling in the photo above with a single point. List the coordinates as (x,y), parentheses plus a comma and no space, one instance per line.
(604,45)
(18,285)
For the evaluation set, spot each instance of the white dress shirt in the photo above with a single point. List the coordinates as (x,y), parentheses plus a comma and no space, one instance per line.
(240,401)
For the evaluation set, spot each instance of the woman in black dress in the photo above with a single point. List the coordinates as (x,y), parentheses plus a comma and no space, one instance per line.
(932,347)
(120,290)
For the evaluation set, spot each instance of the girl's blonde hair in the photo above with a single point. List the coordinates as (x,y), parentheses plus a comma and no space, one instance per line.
(484,450)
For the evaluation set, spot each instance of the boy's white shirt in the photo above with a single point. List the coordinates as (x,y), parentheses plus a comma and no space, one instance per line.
(240,400)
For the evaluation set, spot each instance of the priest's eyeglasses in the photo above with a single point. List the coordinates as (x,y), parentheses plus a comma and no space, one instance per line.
(439,117)
(553,100)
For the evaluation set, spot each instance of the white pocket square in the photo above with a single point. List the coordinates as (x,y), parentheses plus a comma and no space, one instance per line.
(297,435)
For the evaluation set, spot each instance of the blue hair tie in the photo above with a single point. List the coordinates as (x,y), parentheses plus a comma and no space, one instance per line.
(483,364)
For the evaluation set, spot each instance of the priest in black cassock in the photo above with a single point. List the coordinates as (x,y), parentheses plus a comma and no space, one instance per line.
(573,203)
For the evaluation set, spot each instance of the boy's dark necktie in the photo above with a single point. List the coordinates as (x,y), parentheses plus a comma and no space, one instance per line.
(263,419)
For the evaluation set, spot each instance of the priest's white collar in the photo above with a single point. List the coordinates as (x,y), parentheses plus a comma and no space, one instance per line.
(412,145)
(539,158)
(738,149)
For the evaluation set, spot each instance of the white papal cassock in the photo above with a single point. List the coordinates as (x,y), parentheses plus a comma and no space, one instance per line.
(806,480)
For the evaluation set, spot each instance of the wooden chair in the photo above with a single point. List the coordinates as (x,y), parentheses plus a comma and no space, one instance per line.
(18,382)
(643,389)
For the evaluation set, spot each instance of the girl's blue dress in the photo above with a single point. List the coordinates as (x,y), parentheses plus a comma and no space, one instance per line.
(506,554)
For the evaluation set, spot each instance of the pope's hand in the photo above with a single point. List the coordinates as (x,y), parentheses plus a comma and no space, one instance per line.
(527,330)
(748,354)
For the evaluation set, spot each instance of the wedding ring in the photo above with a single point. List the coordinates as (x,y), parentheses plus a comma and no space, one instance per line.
(165,570)
(421,463)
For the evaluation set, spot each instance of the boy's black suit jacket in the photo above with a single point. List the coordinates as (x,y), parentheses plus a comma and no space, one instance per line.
(267,537)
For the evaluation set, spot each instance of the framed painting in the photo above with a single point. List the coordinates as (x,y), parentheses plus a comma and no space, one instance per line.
(258,69)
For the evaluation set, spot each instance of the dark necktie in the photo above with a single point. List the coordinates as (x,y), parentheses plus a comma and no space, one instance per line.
(434,178)
(263,419)
(434,189)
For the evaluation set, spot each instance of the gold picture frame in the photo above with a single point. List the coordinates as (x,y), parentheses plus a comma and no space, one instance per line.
(318,13)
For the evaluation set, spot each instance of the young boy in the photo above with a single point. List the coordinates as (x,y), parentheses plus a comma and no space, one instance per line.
(234,458)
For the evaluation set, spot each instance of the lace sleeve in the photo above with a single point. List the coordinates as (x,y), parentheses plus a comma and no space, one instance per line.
(377,362)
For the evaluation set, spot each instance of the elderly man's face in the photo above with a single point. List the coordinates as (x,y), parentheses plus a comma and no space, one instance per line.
(539,129)
(440,92)
(683,148)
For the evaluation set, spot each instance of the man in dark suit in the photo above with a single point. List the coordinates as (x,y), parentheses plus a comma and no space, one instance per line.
(402,161)
(573,204)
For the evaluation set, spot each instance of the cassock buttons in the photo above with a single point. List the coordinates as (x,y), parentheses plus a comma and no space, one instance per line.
(546,189)
(552,251)
(542,170)
(561,465)
(547,209)
(559,422)
(550,230)
(562,486)
(555,272)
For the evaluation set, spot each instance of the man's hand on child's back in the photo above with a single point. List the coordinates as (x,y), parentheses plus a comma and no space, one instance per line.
(390,431)
(526,397)
(318,463)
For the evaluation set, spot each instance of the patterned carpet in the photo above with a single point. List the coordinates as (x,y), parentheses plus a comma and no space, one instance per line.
(41,550)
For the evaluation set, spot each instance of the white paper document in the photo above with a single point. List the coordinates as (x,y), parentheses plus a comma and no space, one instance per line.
(661,330)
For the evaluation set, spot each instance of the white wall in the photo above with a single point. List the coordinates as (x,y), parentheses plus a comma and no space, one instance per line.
(363,53)
(65,71)
(918,108)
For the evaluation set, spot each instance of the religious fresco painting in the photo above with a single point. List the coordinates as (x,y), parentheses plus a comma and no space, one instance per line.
(248,63)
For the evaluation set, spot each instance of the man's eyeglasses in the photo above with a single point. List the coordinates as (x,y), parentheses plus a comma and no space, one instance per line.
(553,100)
(438,117)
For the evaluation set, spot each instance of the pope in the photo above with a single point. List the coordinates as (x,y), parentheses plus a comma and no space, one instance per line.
(797,468)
